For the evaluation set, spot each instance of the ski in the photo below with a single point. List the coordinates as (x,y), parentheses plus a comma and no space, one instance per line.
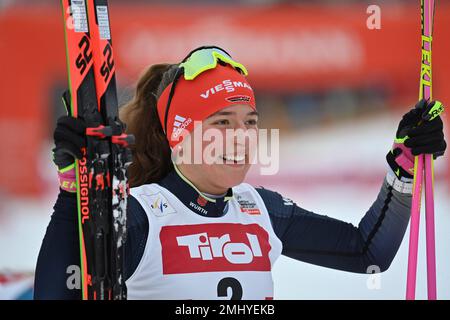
(101,173)
(105,79)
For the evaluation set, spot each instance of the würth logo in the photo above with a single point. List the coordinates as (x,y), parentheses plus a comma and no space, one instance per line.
(214,247)
(201,201)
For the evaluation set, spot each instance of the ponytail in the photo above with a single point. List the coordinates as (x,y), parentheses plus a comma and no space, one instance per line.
(151,152)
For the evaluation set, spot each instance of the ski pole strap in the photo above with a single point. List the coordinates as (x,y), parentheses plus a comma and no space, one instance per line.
(397,184)
(67,178)
(436,110)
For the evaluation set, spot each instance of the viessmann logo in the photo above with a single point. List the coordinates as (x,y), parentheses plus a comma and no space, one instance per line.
(227,85)
(214,247)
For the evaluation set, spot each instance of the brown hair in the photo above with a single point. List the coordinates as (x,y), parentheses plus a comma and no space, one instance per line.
(151,151)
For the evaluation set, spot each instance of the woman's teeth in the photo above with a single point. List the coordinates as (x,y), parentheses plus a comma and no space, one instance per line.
(234,158)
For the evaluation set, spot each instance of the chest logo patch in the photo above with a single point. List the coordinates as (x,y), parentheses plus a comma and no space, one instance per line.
(247,204)
(214,247)
(158,204)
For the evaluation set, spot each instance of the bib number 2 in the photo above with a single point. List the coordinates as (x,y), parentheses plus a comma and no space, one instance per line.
(234,284)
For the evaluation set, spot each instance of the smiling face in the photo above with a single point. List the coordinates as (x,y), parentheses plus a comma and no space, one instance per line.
(229,163)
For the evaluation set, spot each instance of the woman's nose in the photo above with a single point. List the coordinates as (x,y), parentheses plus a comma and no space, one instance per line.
(240,125)
(240,132)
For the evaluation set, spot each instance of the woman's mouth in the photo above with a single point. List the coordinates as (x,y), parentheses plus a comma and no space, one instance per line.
(234,159)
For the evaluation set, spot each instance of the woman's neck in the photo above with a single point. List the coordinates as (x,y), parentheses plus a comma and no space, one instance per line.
(199,183)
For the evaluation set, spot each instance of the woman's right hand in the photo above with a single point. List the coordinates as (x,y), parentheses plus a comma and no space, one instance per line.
(69,137)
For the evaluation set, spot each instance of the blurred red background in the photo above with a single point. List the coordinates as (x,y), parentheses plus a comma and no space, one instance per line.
(286,48)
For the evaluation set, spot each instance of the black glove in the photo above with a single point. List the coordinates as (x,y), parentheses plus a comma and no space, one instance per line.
(424,138)
(69,137)
(420,132)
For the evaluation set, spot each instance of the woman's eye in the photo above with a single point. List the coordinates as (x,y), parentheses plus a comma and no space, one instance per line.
(252,122)
(222,122)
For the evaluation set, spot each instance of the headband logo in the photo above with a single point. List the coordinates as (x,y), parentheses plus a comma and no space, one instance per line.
(227,85)
(179,125)
(238,99)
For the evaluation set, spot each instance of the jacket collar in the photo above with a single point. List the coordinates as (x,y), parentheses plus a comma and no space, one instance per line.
(193,198)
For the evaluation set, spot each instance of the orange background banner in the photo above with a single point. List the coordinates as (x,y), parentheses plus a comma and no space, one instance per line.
(285,48)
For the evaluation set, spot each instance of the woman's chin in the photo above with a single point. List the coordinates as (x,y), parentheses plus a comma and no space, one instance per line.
(231,175)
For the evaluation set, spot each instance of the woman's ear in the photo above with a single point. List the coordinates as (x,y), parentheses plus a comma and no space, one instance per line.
(180,150)
(177,154)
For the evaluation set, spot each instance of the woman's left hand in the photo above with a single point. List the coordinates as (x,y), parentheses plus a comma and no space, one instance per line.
(421,131)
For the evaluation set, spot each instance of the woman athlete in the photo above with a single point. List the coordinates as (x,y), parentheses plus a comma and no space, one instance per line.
(195,229)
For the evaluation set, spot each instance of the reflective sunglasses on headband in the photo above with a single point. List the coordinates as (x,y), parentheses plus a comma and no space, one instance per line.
(197,61)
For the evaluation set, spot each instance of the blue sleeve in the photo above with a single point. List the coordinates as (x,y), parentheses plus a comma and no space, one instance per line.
(60,248)
(331,243)
(136,236)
